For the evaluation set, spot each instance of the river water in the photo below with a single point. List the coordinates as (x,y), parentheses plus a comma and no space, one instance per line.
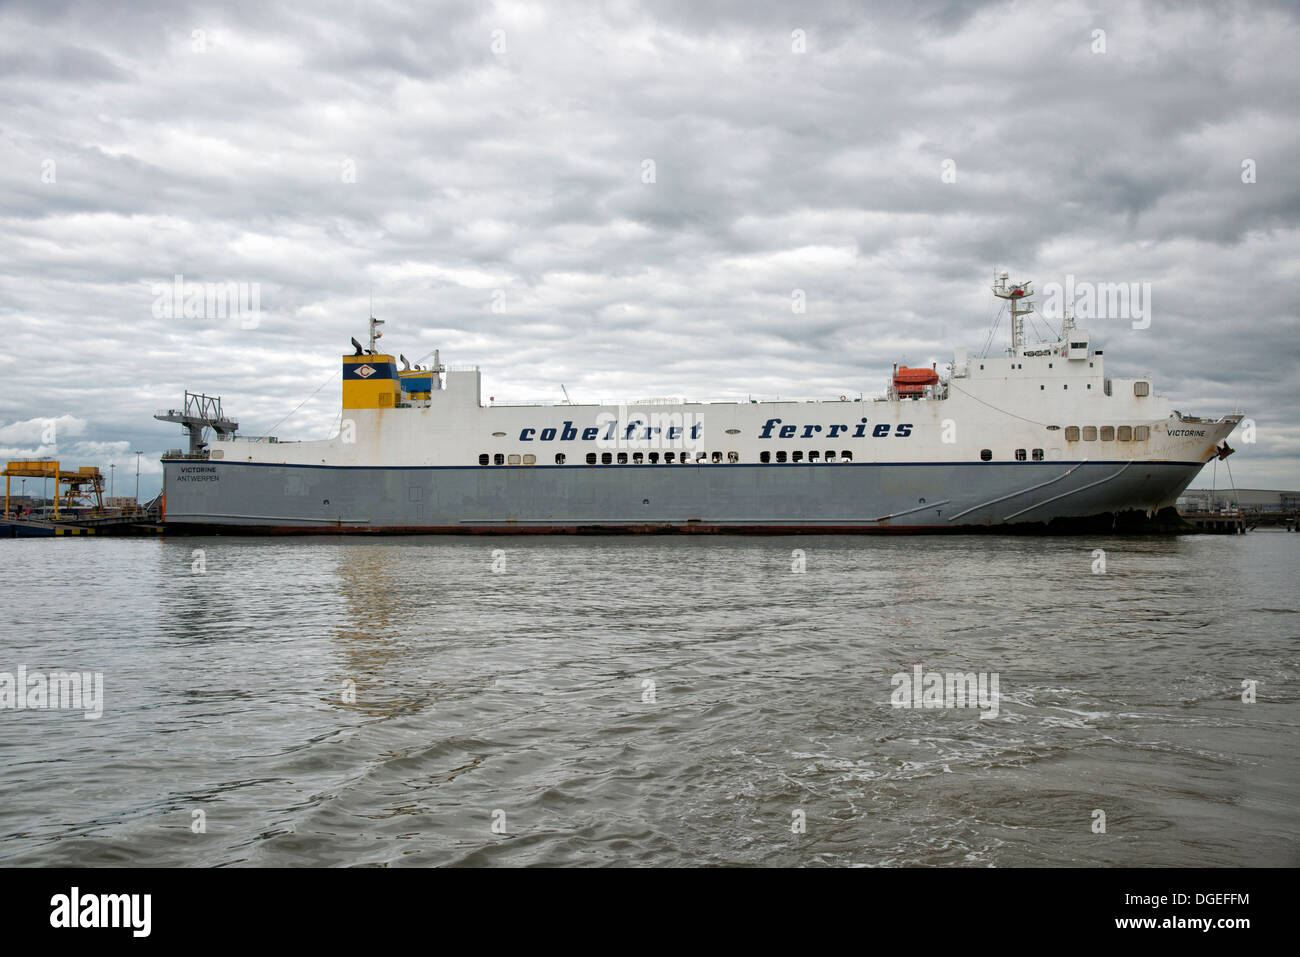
(654,701)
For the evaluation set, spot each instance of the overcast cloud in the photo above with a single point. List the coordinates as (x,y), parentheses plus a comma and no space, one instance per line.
(449,157)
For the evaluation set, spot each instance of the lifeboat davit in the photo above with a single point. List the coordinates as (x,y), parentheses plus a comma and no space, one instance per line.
(913,381)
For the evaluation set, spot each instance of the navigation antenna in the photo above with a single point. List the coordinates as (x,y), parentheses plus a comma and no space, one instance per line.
(567,400)
(1015,295)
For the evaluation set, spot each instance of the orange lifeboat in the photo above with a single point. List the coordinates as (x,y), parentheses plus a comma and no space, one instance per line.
(913,381)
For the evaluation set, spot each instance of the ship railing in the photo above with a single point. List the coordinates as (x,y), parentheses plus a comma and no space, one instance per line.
(183,454)
(268,439)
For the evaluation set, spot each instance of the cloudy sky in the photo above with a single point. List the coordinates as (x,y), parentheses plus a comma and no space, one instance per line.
(623,198)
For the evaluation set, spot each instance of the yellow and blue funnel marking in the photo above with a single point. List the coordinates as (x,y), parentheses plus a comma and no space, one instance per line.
(369,382)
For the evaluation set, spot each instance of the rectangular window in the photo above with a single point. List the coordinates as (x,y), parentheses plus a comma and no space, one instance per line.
(499,459)
(733,458)
(622,458)
(765,456)
(1090,433)
(780,456)
(796,456)
(483,459)
(717,458)
(1038,455)
(986,455)
(513,460)
(638,458)
(530,459)
(654,458)
(606,458)
(846,456)
(701,456)
(1124,433)
(830,455)
(591,458)
(1108,433)
(559,458)
(1141,433)
(1141,388)
(1072,433)
(1020,455)
(814,455)
(669,457)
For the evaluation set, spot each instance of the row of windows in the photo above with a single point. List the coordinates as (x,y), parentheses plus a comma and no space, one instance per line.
(1109,433)
(987,455)
(668,458)
(813,456)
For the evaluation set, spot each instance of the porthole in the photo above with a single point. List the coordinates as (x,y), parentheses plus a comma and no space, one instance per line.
(986,455)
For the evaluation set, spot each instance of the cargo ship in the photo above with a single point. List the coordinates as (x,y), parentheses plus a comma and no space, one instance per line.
(1037,436)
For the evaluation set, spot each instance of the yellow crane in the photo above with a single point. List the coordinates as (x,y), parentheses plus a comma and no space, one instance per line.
(70,485)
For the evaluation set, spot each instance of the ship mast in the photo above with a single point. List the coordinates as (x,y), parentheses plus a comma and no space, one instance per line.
(1015,295)
(374,332)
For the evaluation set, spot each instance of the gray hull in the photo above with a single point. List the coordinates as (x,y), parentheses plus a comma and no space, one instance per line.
(829,497)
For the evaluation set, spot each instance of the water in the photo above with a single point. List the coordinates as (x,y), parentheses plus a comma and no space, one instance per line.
(519,699)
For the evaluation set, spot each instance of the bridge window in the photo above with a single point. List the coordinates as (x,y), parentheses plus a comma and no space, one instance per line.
(1141,433)
(986,455)
(846,455)
(780,456)
(765,456)
(1072,433)
(1108,433)
(1090,433)
(1124,433)
(499,459)
(1020,455)
(1038,455)
(606,458)
(484,459)
(591,458)
(559,458)
(1141,388)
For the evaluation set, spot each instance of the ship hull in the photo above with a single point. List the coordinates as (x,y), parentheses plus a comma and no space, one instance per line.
(845,497)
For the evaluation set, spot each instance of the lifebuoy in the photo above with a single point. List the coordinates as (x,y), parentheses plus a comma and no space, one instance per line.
(844,398)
